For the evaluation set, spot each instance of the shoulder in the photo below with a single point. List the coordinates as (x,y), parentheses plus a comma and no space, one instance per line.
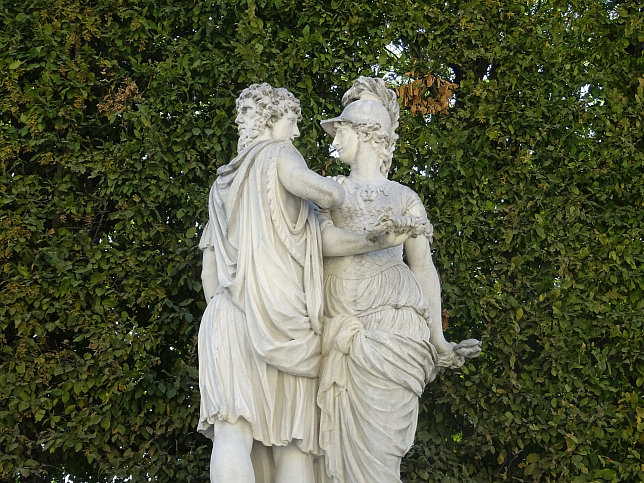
(285,149)
(287,156)
(404,191)
(411,202)
(401,191)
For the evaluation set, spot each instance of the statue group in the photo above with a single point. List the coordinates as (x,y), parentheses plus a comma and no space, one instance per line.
(318,339)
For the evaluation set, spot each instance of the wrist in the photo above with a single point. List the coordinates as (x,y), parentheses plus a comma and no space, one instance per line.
(443,346)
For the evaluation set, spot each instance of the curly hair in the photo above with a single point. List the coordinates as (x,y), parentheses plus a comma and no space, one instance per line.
(268,104)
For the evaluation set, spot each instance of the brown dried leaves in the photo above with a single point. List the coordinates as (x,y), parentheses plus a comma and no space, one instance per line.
(426,95)
(116,103)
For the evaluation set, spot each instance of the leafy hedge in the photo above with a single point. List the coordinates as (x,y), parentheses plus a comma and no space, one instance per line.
(114,117)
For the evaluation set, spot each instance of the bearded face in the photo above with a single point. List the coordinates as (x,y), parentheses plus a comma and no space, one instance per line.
(259,106)
(250,123)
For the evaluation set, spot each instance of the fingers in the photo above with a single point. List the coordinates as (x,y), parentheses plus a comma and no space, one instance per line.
(468,348)
(469,343)
(469,353)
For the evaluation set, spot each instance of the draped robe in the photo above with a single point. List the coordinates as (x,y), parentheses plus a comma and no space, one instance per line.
(377,354)
(259,339)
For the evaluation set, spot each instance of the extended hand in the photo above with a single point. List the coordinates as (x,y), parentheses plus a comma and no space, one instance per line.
(389,232)
(454,356)
(403,226)
(384,227)
(391,239)
(468,348)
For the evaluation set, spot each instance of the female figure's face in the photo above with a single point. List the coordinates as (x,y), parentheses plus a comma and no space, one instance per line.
(285,128)
(346,142)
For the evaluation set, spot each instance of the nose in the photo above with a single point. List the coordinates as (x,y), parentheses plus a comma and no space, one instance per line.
(334,143)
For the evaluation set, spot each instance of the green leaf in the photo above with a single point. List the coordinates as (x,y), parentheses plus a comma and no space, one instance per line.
(532,458)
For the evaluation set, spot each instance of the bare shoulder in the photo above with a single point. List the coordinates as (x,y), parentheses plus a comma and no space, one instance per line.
(296,178)
(290,157)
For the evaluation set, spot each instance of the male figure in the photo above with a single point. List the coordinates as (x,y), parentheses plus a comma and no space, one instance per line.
(259,340)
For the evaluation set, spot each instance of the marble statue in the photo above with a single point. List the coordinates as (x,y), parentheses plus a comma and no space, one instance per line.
(259,339)
(383,339)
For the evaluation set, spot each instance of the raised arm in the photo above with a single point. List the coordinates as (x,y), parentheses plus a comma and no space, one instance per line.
(299,180)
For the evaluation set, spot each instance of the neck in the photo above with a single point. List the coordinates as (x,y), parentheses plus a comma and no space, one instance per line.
(265,135)
(366,167)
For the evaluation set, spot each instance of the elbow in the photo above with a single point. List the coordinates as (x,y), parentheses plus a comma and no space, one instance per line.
(419,266)
(334,198)
(208,274)
(339,196)
(327,242)
(209,266)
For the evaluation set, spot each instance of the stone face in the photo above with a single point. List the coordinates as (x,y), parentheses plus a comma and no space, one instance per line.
(383,339)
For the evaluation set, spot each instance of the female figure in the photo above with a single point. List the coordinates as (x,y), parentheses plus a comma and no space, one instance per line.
(383,338)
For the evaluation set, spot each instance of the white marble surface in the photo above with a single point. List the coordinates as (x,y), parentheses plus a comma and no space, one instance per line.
(259,339)
(310,369)
(383,339)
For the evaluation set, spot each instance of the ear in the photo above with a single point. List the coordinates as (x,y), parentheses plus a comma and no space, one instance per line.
(271,120)
(364,136)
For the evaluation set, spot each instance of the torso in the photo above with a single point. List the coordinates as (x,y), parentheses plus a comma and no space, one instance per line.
(376,287)
(364,205)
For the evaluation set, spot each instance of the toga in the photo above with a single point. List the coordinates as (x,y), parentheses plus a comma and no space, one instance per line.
(259,342)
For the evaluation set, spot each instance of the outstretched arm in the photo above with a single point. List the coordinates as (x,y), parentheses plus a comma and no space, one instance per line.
(299,180)
(337,242)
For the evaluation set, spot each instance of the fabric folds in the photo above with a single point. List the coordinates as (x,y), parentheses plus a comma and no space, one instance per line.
(259,342)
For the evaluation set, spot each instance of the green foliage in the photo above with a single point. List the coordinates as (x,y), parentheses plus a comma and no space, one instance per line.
(535,187)
(114,117)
